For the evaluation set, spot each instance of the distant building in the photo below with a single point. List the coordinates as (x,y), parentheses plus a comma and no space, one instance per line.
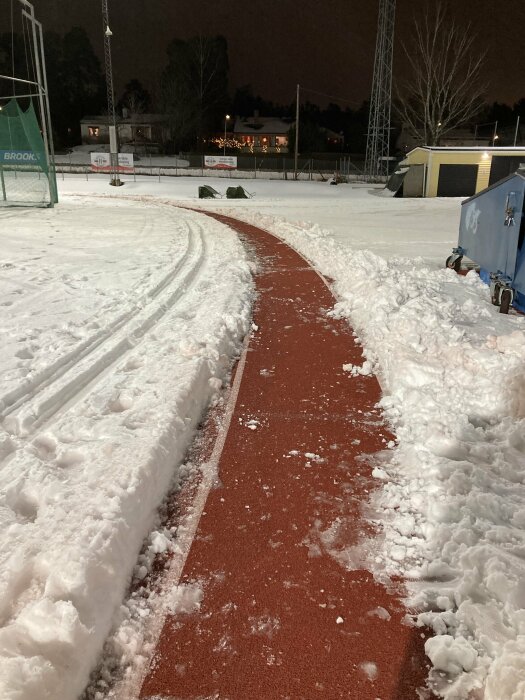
(332,138)
(261,134)
(454,172)
(147,131)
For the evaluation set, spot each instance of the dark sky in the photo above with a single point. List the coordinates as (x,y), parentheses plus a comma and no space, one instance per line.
(325,45)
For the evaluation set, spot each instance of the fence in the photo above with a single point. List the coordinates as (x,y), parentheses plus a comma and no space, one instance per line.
(257,166)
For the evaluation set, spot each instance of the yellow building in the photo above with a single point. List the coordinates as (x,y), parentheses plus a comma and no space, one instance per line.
(441,171)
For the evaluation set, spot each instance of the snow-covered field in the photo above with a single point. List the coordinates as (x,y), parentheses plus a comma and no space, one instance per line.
(119,320)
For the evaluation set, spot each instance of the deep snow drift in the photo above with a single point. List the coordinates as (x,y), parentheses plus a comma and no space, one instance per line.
(113,339)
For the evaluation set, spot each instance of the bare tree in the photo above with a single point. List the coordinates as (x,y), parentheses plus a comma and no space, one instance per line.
(194,86)
(444,89)
(210,78)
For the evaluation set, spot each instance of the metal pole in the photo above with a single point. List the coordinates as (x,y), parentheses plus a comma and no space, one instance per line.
(495,134)
(3,183)
(225,123)
(49,125)
(296,132)
(19,80)
(517,129)
(112,119)
(43,117)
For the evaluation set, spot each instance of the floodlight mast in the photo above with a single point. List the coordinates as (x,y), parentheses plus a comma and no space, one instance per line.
(378,137)
(112,119)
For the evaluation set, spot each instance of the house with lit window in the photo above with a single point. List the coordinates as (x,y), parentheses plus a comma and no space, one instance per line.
(262,134)
(140,130)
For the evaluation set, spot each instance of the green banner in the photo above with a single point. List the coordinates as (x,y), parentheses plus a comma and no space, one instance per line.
(25,173)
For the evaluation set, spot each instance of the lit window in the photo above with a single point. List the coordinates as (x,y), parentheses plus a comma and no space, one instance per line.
(93,131)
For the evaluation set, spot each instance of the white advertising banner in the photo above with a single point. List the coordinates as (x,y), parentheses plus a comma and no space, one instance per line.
(101,163)
(221,162)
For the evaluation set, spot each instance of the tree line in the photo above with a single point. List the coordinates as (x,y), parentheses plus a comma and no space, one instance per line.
(443,89)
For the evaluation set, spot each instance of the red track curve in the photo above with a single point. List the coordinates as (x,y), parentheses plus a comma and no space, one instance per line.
(280,618)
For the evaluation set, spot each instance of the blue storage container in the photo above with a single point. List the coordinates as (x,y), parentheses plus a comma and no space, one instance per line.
(491,233)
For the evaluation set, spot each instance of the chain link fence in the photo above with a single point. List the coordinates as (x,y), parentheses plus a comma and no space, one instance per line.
(248,167)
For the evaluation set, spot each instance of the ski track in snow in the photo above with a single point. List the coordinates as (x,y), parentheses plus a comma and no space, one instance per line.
(31,405)
(91,442)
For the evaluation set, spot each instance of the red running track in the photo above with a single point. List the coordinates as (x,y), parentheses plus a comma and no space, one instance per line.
(280,618)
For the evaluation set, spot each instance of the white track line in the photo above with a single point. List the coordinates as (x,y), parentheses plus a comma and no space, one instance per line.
(129,688)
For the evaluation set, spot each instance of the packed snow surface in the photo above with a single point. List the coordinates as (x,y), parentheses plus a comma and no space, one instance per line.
(119,322)
(119,319)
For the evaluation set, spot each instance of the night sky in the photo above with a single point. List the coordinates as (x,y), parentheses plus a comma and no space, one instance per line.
(325,45)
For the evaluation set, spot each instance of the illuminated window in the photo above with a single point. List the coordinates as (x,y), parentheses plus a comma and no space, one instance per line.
(93,131)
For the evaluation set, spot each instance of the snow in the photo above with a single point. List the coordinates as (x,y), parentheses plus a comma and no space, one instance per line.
(131,317)
(119,319)
(369,668)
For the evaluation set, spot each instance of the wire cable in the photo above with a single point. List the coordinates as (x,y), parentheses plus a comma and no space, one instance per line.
(331,97)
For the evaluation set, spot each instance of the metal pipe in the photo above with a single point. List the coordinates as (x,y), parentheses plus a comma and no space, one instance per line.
(46,93)
(19,80)
(45,123)
(18,97)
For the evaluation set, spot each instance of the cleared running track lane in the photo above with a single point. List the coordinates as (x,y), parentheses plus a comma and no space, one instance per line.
(281,616)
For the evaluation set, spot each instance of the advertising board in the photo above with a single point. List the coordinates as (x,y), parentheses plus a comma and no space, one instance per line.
(101,163)
(220,162)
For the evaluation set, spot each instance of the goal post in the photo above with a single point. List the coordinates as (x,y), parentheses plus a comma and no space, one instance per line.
(27,163)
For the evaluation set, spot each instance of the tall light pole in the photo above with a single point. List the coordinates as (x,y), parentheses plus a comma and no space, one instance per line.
(378,136)
(226,118)
(112,119)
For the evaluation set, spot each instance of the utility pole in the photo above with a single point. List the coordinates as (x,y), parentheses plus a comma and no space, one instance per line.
(296,132)
(517,130)
(112,119)
(378,137)
(495,136)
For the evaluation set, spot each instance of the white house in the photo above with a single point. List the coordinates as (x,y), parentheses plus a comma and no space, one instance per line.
(141,130)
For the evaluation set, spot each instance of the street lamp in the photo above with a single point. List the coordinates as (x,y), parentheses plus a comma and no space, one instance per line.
(226,118)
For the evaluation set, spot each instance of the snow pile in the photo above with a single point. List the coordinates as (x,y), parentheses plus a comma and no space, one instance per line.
(121,324)
(452,497)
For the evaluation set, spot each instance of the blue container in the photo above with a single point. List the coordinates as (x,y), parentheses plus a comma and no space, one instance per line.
(491,233)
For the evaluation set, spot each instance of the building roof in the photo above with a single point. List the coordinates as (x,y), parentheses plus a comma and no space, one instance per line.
(261,125)
(483,149)
(133,119)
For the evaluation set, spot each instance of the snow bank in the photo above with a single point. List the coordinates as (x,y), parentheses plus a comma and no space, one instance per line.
(451,495)
(127,329)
